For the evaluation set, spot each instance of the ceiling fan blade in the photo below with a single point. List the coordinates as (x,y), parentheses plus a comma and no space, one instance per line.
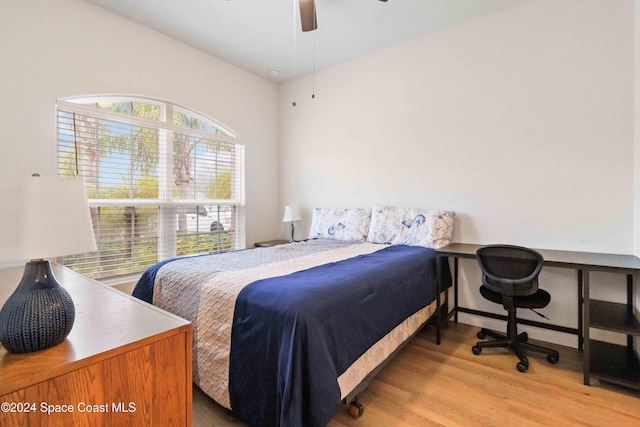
(308,15)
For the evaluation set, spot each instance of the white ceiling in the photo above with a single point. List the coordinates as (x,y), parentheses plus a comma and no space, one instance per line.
(258,35)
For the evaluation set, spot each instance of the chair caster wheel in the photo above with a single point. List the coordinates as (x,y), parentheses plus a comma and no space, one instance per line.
(552,359)
(476,350)
(523,365)
(356,409)
(481,335)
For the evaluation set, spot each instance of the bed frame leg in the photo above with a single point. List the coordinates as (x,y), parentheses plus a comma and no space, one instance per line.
(355,408)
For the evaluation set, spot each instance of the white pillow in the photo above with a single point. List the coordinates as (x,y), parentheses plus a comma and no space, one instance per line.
(340,224)
(412,227)
(386,225)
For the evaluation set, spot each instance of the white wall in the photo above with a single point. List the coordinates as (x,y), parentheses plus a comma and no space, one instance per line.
(521,120)
(53,49)
(636,178)
(636,92)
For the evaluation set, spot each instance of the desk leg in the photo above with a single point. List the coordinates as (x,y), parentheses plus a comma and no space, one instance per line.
(631,285)
(438,287)
(585,329)
(580,305)
(455,289)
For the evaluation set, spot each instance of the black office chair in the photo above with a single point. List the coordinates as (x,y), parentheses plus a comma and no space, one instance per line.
(510,277)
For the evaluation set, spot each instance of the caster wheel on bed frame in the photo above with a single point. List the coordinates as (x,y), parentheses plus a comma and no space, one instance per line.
(356,409)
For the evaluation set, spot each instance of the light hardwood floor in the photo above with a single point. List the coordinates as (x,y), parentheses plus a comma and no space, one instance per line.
(446,385)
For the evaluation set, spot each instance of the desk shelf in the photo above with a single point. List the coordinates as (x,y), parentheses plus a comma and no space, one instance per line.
(614,317)
(614,364)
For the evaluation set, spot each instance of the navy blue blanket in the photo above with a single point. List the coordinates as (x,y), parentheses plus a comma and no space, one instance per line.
(294,335)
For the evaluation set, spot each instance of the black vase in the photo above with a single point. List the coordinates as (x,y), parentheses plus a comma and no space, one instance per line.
(39,314)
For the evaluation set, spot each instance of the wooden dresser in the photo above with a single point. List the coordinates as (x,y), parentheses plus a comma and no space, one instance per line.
(124,363)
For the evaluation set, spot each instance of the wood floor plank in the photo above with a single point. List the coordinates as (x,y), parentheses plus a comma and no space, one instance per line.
(447,385)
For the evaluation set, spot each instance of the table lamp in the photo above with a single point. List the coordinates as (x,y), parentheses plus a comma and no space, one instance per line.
(289,216)
(40,218)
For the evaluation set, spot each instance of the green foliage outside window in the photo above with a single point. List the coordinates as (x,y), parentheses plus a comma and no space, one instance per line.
(121,161)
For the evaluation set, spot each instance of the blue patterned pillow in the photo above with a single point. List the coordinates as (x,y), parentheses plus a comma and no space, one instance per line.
(413,227)
(340,224)
(386,225)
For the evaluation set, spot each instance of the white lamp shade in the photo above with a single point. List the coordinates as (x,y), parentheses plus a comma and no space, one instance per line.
(44,218)
(290,215)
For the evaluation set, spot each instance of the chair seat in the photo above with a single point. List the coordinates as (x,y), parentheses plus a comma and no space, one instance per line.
(538,300)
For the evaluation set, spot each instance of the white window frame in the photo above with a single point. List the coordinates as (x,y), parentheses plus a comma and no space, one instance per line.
(167,238)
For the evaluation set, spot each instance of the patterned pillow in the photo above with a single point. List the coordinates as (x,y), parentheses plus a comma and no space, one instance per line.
(386,225)
(412,227)
(340,224)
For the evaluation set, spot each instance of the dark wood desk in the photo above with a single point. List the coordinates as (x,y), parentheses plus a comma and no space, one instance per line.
(608,362)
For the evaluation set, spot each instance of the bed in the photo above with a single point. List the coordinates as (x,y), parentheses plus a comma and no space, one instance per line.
(283,334)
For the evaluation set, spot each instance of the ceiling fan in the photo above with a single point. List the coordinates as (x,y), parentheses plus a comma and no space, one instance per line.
(308,15)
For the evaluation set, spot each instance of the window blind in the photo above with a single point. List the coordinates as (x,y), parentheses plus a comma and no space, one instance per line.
(157,188)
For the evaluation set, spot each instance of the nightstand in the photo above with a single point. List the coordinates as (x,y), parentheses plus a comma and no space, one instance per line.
(269,243)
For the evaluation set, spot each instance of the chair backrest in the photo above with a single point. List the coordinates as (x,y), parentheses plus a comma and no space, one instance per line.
(502,264)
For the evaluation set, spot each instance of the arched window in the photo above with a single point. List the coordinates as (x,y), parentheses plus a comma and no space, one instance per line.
(162,181)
